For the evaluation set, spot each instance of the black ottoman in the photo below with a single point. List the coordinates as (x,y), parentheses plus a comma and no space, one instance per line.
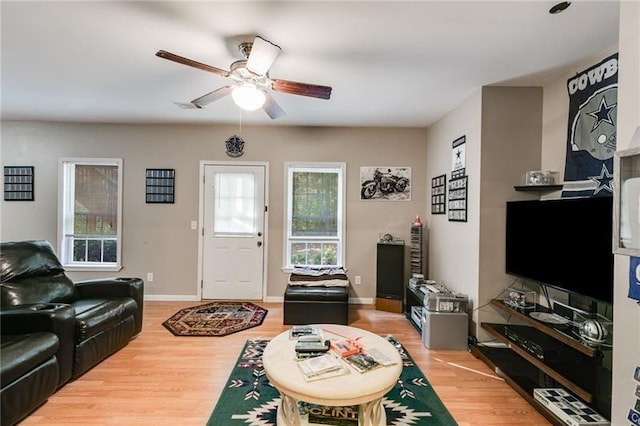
(316,305)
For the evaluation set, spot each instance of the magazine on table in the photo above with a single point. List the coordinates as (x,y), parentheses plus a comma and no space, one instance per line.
(362,362)
(322,367)
(380,358)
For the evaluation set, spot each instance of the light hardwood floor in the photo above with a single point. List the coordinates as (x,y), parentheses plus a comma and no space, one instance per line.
(161,379)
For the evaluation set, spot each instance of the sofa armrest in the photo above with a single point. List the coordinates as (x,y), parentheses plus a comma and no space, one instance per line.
(57,318)
(111,287)
(114,287)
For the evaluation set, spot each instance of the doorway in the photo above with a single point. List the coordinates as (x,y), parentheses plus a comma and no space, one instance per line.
(233,212)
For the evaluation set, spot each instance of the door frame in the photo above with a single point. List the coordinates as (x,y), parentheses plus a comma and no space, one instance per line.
(265,241)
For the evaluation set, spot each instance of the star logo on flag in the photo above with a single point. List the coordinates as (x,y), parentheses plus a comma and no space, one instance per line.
(603,180)
(602,114)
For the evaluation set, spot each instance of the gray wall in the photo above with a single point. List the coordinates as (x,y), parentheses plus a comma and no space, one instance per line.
(453,246)
(502,126)
(157,237)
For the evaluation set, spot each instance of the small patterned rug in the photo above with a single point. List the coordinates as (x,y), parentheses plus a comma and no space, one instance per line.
(248,398)
(215,319)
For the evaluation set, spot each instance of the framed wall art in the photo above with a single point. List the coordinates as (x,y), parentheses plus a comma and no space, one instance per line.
(439,194)
(458,157)
(18,183)
(160,186)
(385,183)
(458,199)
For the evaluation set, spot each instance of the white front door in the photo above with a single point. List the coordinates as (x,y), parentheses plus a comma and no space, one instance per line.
(233,213)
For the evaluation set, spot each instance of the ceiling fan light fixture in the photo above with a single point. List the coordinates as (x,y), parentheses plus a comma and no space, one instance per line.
(248,97)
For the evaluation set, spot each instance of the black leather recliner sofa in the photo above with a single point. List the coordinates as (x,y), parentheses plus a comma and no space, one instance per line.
(52,329)
(34,359)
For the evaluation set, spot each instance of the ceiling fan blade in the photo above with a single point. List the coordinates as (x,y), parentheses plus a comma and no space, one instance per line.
(271,107)
(212,96)
(302,89)
(187,105)
(263,54)
(185,61)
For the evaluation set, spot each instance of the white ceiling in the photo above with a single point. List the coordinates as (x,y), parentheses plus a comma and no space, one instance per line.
(394,63)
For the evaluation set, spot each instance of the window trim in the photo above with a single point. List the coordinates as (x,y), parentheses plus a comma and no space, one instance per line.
(65,180)
(289,168)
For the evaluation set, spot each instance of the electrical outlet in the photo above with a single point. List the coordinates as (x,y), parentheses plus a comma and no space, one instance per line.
(194,224)
(358,280)
(150,276)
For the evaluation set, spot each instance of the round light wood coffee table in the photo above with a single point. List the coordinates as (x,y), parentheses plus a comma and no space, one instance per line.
(354,389)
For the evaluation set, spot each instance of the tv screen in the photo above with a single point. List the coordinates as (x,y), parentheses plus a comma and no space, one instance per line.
(564,243)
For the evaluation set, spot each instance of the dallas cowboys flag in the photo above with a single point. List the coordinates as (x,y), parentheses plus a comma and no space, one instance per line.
(634,278)
(591,130)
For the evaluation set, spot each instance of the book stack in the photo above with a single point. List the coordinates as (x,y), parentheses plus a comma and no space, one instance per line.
(416,281)
(303,330)
(346,347)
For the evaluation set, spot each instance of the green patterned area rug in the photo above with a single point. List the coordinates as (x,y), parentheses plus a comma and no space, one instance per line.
(249,399)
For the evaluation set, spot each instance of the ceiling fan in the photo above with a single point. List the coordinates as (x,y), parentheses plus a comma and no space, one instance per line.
(250,81)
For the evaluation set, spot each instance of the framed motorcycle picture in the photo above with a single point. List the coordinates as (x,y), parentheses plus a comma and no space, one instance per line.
(385,183)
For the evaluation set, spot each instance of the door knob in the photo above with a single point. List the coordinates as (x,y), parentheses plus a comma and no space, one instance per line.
(259,243)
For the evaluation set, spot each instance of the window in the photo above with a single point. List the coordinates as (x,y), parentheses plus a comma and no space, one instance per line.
(90,214)
(234,204)
(315,215)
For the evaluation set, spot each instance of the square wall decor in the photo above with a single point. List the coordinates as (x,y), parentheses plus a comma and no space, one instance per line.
(18,183)
(458,199)
(439,194)
(160,186)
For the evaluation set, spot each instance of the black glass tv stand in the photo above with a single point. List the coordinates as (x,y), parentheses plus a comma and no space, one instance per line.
(540,355)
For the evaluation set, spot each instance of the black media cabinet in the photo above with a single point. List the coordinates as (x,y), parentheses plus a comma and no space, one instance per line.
(413,298)
(541,355)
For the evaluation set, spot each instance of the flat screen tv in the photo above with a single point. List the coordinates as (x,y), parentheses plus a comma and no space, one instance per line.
(564,243)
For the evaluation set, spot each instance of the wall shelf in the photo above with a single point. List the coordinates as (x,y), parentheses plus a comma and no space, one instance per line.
(538,188)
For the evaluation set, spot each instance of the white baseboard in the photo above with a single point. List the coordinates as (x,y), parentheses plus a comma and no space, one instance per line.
(272,299)
(362,300)
(171,298)
(352,300)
